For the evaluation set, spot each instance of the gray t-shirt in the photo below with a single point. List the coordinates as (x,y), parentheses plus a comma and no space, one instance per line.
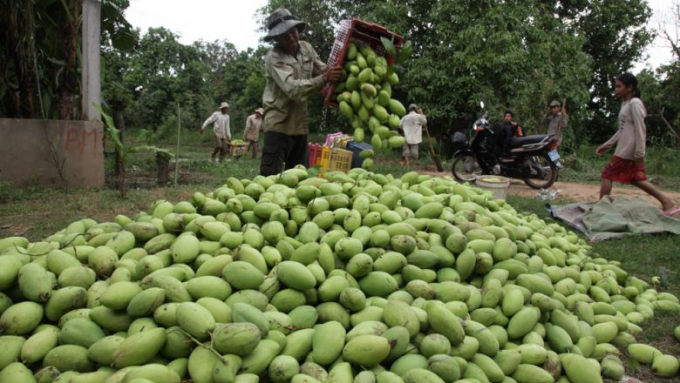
(552,122)
(631,137)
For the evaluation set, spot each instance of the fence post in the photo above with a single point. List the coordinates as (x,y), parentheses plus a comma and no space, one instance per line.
(91,61)
(179,130)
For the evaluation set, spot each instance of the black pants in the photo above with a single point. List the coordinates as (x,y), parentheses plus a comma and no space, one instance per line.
(280,149)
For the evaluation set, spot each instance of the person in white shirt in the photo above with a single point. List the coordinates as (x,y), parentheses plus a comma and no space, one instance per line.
(412,125)
(221,131)
(251,135)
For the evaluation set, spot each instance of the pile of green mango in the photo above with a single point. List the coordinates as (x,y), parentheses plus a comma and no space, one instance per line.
(351,278)
(365,97)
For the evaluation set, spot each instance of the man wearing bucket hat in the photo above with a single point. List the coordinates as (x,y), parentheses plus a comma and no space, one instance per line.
(293,72)
(221,131)
(252,133)
(412,124)
(555,120)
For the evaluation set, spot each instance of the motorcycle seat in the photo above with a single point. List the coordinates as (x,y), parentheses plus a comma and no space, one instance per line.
(527,140)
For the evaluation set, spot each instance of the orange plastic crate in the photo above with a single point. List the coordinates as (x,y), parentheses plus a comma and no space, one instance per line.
(325,158)
(340,160)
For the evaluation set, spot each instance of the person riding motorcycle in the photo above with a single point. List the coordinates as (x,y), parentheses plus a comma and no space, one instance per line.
(500,142)
(501,149)
(508,118)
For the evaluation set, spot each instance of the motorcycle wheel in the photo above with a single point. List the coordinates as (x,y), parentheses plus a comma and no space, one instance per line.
(543,172)
(466,168)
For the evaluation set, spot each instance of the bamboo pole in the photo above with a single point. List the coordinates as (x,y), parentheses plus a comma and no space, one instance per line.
(179,131)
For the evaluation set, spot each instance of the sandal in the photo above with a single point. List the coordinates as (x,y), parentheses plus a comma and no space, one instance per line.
(673,212)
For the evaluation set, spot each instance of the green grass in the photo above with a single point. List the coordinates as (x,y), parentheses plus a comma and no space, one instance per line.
(580,164)
(529,206)
(583,165)
(43,213)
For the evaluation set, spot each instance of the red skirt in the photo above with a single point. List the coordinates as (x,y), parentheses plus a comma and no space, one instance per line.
(624,171)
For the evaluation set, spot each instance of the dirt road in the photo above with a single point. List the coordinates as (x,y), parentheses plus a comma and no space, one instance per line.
(576,192)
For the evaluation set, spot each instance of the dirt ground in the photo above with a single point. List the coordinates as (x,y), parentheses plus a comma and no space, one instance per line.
(576,192)
(580,192)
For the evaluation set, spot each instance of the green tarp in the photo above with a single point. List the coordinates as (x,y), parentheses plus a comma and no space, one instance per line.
(616,218)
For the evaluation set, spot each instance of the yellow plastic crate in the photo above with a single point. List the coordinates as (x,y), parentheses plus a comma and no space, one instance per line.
(342,143)
(340,160)
(238,150)
(325,158)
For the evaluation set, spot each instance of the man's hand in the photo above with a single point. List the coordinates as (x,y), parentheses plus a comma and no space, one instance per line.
(201,131)
(640,161)
(600,150)
(332,74)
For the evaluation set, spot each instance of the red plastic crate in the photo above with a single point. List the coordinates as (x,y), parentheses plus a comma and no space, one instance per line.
(314,154)
(361,31)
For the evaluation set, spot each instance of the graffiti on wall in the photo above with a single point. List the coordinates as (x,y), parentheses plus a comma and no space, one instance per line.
(79,140)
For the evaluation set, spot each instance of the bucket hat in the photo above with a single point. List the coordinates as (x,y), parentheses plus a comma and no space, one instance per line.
(280,22)
(223,105)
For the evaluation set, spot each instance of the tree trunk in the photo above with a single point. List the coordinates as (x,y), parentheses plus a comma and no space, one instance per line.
(119,121)
(69,84)
(121,183)
(676,132)
(28,74)
(16,50)
(120,165)
(163,167)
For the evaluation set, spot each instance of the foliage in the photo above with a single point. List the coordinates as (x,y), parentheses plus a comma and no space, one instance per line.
(40,55)
(615,34)
(516,55)
(162,74)
(660,89)
(8,192)
(660,97)
(123,149)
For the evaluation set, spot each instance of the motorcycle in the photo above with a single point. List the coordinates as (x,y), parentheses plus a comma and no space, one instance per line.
(533,158)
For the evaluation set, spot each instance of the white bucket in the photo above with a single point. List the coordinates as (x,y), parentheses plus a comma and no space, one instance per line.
(496,185)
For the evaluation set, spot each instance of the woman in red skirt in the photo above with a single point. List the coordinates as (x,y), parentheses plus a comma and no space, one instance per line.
(628,163)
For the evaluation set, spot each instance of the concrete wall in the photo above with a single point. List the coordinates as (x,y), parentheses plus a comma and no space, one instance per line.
(31,149)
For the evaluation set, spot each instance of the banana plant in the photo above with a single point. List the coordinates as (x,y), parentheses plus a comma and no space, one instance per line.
(123,150)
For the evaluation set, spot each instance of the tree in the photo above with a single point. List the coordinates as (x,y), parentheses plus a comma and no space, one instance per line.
(665,91)
(616,36)
(147,85)
(652,89)
(162,74)
(39,55)
(502,53)
(670,29)
(236,77)
(512,54)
